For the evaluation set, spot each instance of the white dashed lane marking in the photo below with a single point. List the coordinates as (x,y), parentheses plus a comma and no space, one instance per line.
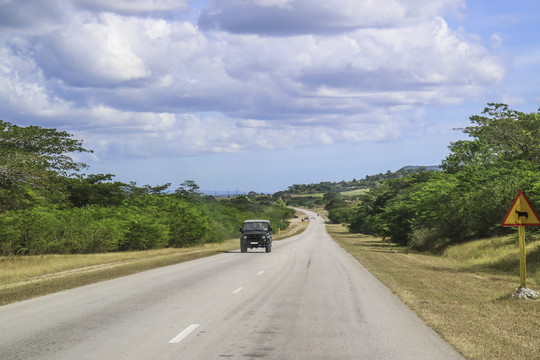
(183,334)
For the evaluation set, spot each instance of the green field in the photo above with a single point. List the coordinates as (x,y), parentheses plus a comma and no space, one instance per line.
(353,193)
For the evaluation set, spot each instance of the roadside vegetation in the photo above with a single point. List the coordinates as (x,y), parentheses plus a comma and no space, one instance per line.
(47,206)
(315,195)
(25,277)
(465,293)
(463,199)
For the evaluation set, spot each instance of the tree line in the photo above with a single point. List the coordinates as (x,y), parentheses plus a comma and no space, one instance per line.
(468,198)
(48,206)
(331,194)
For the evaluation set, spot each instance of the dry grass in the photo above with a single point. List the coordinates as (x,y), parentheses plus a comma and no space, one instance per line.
(498,255)
(31,276)
(466,302)
(25,268)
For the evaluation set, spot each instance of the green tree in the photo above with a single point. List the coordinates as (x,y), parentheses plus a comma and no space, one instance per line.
(188,225)
(32,158)
(143,233)
(500,134)
(333,200)
(188,189)
(96,189)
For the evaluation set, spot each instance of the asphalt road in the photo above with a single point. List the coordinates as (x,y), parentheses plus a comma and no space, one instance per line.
(307,299)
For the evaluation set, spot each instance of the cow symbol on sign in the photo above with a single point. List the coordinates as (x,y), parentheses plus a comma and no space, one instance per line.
(522,213)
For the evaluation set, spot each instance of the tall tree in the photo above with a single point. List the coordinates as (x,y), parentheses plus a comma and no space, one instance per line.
(500,134)
(31,158)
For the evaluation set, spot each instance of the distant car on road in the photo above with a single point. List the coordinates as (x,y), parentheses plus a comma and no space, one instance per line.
(256,234)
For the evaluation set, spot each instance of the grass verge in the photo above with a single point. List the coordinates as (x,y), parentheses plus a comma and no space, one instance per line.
(470,306)
(26,277)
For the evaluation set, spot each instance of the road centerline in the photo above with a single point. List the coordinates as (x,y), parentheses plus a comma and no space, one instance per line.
(183,334)
(237,290)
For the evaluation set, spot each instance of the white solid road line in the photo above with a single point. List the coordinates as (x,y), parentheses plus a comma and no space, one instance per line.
(237,290)
(260,272)
(183,334)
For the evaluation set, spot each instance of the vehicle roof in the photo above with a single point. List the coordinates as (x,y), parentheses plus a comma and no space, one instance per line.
(250,221)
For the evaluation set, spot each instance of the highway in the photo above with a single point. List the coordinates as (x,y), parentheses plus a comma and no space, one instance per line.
(307,299)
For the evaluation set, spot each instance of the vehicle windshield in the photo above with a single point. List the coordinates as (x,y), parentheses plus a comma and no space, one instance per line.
(256,226)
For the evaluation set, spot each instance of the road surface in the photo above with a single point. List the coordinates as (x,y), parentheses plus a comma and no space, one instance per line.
(307,299)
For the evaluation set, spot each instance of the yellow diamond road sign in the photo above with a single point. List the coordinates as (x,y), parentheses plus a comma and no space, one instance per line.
(521,213)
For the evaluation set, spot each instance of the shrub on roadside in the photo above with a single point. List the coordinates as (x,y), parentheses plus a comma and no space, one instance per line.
(342,215)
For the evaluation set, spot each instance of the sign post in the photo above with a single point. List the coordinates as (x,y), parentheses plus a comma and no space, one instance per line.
(521,214)
(522,258)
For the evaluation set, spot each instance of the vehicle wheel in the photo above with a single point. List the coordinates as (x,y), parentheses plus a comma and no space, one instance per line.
(268,248)
(243,248)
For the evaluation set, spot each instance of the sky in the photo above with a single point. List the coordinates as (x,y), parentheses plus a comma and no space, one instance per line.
(259,95)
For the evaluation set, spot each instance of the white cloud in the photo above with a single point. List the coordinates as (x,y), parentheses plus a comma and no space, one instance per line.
(95,52)
(23,92)
(134,84)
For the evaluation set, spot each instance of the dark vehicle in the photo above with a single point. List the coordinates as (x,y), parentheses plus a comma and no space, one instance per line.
(256,234)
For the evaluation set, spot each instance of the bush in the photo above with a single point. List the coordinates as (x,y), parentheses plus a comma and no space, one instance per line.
(188,226)
(145,221)
(94,229)
(34,231)
(343,215)
(143,234)
(10,236)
